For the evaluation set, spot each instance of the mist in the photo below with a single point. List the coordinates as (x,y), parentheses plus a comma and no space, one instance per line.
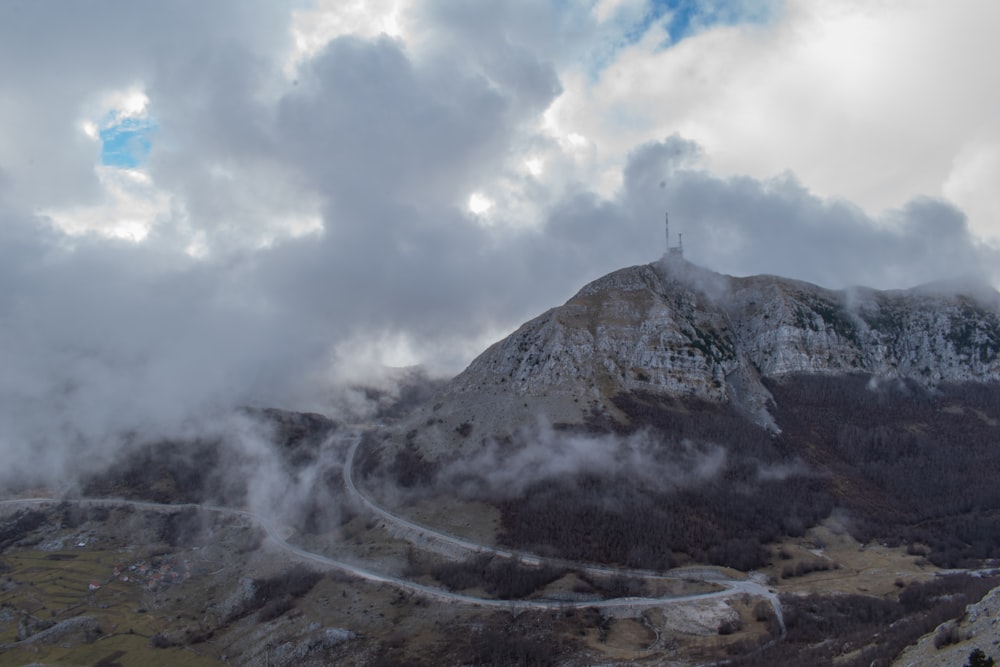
(502,470)
(301,220)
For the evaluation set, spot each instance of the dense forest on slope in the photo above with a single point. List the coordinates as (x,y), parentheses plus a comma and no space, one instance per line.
(910,464)
(904,463)
(760,494)
(869,631)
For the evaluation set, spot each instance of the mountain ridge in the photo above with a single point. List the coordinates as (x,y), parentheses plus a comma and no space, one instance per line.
(675,328)
(664,404)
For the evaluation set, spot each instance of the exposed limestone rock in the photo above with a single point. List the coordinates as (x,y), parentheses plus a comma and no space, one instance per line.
(979,628)
(671,327)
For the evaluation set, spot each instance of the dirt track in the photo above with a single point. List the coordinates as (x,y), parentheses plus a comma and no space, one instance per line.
(427,537)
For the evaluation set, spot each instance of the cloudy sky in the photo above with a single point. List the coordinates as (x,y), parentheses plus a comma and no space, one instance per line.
(211,203)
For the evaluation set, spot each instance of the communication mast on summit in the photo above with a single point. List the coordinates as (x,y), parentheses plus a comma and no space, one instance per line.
(678,249)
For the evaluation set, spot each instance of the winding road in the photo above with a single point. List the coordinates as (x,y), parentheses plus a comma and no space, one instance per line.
(425,535)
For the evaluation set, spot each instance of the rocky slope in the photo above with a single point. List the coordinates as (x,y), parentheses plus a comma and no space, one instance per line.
(977,628)
(671,327)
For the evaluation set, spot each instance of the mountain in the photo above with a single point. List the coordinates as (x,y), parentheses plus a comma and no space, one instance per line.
(840,444)
(673,328)
(666,404)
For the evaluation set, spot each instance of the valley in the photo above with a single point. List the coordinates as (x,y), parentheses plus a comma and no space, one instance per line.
(99,571)
(636,616)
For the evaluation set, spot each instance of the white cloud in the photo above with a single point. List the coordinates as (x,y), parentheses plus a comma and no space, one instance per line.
(129,209)
(90,129)
(116,106)
(313,28)
(971,184)
(867,101)
(479,203)
(606,10)
(290,223)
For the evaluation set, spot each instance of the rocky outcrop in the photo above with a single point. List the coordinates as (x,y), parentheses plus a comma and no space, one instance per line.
(978,628)
(675,328)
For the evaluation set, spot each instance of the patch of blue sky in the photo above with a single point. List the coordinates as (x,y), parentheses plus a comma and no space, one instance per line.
(126,143)
(684,18)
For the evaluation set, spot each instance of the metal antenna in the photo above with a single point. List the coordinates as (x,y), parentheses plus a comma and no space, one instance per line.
(666,224)
(679,248)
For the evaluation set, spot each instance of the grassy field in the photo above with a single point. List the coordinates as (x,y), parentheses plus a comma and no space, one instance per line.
(62,589)
(853,568)
(127,587)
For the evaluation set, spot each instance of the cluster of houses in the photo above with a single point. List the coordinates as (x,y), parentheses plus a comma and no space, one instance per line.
(154,575)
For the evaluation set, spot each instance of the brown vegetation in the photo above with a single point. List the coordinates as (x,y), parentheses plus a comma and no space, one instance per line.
(868,630)
(904,461)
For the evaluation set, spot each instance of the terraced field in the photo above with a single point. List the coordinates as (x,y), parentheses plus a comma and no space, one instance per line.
(78,611)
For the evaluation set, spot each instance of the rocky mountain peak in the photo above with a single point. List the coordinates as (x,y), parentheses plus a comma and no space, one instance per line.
(672,327)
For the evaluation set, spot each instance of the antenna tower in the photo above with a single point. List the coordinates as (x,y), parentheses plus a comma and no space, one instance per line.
(677,249)
(666,224)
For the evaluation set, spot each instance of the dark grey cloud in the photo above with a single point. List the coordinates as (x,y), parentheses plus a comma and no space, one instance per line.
(744,226)
(365,123)
(100,338)
(57,58)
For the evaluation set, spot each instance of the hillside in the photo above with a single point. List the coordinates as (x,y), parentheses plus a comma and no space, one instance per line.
(674,467)
(672,328)
(668,406)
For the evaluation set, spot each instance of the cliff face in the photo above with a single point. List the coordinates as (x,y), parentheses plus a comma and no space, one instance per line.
(672,327)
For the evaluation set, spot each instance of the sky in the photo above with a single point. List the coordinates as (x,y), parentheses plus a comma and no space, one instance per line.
(205,205)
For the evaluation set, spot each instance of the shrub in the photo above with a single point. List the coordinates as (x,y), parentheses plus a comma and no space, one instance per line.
(505,579)
(729,626)
(274,609)
(979,659)
(946,635)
